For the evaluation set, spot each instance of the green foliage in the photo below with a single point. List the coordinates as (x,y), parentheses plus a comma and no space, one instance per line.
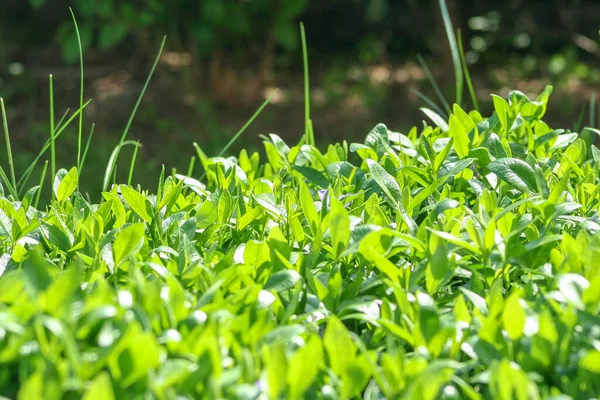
(459,261)
(207,26)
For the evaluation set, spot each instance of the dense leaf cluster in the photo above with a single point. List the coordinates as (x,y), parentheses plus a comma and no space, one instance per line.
(460,260)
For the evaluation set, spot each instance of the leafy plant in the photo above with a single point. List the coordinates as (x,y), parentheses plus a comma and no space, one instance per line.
(458,260)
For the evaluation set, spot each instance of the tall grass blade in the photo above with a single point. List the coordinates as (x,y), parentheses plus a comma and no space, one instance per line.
(191,166)
(52,127)
(80,127)
(61,120)
(113,159)
(307,131)
(458,77)
(161,183)
(431,103)
(22,182)
(112,162)
(463,61)
(132,165)
(587,134)
(433,83)
(246,125)
(6,181)
(87,147)
(579,123)
(42,179)
(11,164)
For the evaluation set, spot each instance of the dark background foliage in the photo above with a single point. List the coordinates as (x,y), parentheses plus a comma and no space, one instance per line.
(223,57)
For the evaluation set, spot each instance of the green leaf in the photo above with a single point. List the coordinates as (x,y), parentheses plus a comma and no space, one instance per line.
(100,389)
(437,268)
(502,110)
(513,317)
(304,367)
(137,202)
(339,226)
(65,184)
(386,182)
(128,242)
(496,148)
(436,118)
(308,208)
(282,280)
(36,275)
(460,135)
(339,346)
(516,173)
(455,240)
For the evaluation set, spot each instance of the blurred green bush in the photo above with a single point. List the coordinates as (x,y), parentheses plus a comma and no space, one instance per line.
(207,25)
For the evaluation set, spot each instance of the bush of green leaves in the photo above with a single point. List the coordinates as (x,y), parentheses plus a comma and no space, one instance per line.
(458,260)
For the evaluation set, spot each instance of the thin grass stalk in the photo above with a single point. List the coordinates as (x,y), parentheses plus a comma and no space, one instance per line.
(132,165)
(431,104)
(191,166)
(6,181)
(433,83)
(25,177)
(42,179)
(246,125)
(463,61)
(458,77)
(87,147)
(112,165)
(52,128)
(11,164)
(307,130)
(80,127)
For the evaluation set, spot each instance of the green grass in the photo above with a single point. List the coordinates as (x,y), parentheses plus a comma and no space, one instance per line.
(457,260)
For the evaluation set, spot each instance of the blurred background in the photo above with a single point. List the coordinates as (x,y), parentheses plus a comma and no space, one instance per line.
(224,57)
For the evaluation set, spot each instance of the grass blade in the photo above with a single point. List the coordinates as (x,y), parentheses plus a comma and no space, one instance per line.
(463,61)
(431,103)
(7,183)
(85,151)
(112,162)
(246,125)
(23,180)
(11,164)
(307,129)
(60,121)
(191,166)
(42,179)
(52,127)
(433,83)
(132,165)
(454,50)
(80,127)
